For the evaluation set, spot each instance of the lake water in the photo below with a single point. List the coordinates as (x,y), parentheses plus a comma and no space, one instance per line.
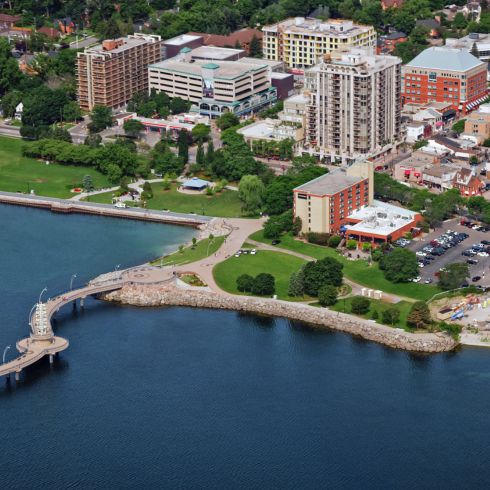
(184,398)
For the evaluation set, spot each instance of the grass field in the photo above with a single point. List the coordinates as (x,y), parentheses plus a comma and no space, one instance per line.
(344,305)
(280,265)
(225,204)
(202,249)
(356,270)
(21,174)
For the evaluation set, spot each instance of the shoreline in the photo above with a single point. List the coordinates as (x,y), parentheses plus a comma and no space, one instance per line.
(171,295)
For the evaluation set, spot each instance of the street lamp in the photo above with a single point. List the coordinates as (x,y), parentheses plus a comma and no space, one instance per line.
(117,267)
(71,281)
(4,352)
(43,291)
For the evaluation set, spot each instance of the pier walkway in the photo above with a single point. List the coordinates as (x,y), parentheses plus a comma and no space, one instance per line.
(83,207)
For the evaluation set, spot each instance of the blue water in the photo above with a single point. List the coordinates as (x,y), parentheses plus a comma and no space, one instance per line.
(183,398)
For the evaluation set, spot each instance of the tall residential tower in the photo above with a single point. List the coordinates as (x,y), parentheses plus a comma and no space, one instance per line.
(354,105)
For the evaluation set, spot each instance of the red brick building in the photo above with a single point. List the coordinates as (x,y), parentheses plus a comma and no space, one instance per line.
(8,21)
(387,44)
(468,183)
(449,75)
(243,37)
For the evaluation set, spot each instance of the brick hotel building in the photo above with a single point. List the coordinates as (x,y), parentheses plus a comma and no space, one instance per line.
(442,74)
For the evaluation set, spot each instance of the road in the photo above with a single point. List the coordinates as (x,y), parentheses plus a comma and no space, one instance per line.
(12,131)
(83,42)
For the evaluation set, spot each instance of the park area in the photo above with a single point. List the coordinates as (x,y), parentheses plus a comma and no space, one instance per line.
(22,174)
(358,271)
(224,204)
(280,265)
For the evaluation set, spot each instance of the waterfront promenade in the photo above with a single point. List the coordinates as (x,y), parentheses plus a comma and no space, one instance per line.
(82,207)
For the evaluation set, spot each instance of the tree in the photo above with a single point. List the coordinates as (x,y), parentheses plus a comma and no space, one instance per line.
(114,173)
(183,146)
(322,272)
(254,48)
(453,275)
(88,184)
(419,315)
(474,50)
(200,157)
(101,118)
(360,305)
(10,101)
(391,315)
(400,265)
(334,241)
(459,22)
(296,286)
(93,140)
(10,75)
(244,283)
(251,193)
(133,128)
(264,284)
(458,127)
(200,133)
(147,190)
(71,111)
(209,154)
(227,120)
(178,105)
(327,295)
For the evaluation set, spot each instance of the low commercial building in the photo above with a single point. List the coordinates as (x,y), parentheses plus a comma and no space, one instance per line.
(477,124)
(302,43)
(380,222)
(294,109)
(415,132)
(172,47)
(324,204)
(212,53)
(443,74)
(110,73)
(439,177)
(242,37)
(273,130)
(215,88)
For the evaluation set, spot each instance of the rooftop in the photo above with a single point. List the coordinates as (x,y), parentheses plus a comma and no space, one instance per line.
(183,39)
(444,58)
(329,184)
(332,27)
(215,53)
(380,218)
(224,70)
(119,45)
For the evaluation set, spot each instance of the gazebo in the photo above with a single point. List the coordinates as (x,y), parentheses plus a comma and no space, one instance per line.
(195,184)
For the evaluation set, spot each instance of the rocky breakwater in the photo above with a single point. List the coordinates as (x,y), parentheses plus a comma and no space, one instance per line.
(170,295)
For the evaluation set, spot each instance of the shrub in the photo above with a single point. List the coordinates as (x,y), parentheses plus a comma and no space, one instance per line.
(452,329)
(318,238)
(366,246)
(391,315)
(351,244)
(209,191)
(264,284)
(360,305)
(296,284)
(327,295)
(334,241)
(297,224)
(244,283)
(375,315)
(376,255)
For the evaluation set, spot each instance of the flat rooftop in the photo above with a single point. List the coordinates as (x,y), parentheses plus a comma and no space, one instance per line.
(223,69)
(182,39)
(331,27)
(272,64)
(260,129)
(380,218)
(329,184)
(215,53)
(128,43)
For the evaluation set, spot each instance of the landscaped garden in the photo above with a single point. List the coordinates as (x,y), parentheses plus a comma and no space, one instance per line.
(358,271)
(22,174)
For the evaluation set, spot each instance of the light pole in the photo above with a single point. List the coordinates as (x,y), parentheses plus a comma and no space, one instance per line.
(71,281)
(4,352)
(117,267)
(43,291)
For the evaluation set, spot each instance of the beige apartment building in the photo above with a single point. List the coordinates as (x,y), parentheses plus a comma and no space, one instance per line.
(110,73)
(240,87)
(354,106)
(477,124)
(301,42)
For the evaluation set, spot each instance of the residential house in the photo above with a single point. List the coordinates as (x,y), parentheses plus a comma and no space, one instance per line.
(468,183)
(386,44)
(8,21)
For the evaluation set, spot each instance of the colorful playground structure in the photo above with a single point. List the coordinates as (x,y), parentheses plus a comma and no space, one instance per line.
(458,310)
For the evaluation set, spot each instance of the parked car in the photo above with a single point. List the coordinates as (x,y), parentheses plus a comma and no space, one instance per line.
(472,261)
(276,242)
(475,278)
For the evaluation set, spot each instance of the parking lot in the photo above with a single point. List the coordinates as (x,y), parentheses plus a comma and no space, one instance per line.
(453,254)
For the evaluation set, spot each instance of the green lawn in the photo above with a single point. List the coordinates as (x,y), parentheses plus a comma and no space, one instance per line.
(356,270)
(202,249)
(280,265)
(21,174)
(379,306)
(225,204)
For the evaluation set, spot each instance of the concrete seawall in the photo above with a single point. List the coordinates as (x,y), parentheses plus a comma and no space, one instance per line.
(169,295)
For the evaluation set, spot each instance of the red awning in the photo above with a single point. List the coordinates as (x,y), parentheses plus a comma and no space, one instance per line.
(407,172)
